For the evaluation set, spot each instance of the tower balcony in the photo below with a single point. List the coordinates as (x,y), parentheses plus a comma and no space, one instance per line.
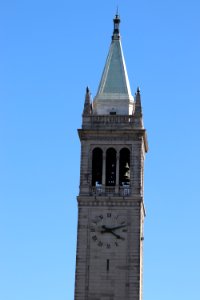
(113,191)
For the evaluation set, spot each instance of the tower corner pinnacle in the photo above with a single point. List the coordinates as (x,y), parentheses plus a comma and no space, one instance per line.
(138,106)
(87,104)
(138,97)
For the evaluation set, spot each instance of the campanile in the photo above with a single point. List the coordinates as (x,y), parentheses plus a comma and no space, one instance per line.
(111,197)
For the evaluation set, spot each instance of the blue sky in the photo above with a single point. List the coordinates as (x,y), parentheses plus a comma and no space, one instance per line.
(50,51)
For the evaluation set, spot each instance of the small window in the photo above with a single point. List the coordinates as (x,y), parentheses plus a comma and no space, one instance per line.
(113,113)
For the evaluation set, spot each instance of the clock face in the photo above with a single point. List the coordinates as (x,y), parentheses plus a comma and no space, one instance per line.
(108,229)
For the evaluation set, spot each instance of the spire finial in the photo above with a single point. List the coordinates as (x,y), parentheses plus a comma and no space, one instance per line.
(117,11)
(116,20)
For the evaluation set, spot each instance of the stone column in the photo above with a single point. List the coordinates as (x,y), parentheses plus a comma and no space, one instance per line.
(104,169)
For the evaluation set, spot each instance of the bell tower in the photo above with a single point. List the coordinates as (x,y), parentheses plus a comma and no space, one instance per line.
(110,202)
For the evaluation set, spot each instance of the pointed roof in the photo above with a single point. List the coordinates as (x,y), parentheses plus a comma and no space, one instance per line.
(115,78)
(114,82)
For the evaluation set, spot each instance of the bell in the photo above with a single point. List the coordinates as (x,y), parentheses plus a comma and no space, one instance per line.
(126,167)
(127,173)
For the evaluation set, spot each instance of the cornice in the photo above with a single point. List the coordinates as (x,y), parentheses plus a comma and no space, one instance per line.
(114,135)
(109,201)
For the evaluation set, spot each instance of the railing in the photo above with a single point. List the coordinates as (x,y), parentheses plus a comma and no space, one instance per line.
(112,119)
(123,191)
(125,121)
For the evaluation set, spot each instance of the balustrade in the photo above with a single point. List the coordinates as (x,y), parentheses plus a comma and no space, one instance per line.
(100,190)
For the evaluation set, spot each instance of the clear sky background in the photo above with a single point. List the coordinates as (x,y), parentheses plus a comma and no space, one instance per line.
(49,52)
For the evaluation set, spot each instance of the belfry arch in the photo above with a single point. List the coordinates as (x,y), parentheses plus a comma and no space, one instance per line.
(124,167)
(97,160)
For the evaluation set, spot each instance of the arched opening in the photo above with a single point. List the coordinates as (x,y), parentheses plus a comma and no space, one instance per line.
(111,167)
(124,167)
(97,159)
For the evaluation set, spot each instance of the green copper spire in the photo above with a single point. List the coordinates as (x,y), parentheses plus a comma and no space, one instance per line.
(114,88)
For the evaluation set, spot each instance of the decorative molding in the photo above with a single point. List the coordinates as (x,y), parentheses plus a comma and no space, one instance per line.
(123,202)
(107,203)
(104,148)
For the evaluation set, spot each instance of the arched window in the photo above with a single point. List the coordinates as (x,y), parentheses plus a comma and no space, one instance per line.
(111,167)
(124,167)
(97,158)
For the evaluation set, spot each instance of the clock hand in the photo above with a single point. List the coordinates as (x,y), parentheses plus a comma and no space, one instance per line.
(116,235)
(109,230)
(105,227)
(113,228)
(117,227)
